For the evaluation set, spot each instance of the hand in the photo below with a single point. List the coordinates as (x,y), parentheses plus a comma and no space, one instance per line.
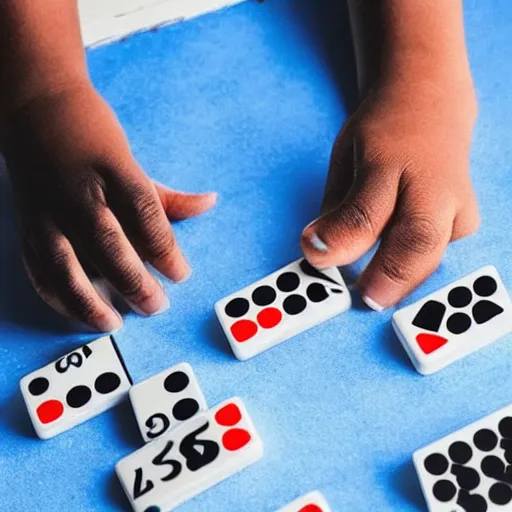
(84,203)
(399,171)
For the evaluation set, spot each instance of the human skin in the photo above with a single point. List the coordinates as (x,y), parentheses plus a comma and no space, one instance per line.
(399,169)
(85,206)
(410,136)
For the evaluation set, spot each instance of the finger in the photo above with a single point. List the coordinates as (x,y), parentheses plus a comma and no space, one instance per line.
(103,241)
(346,233)
(180,205)
(468,220)
(60,280)
(341,171)
(411,249)
(142,215)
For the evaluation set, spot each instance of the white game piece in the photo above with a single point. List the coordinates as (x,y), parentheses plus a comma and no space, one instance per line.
(312,502)
(184,462)
(76,387)
(458,319)
(469,470)
(280,306)
(165,400)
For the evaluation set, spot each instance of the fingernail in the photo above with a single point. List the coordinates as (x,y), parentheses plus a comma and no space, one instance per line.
(110,327)
(103,289)
(372,304)
(213,195)
(318,243)
(104,326)
(163,307)
(111,324)
(313,238)
(166,304)
(209,199)
(185,274)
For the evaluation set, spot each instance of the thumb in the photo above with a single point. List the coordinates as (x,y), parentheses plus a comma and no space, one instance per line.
(345,233)
(180,205)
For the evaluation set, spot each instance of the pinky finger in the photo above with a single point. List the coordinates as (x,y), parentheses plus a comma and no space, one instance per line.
(61,282)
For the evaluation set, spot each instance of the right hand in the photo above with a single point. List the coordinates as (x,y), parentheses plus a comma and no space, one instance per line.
(399,172)
(85,203)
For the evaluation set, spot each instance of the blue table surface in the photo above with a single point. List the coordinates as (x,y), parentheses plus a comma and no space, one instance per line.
(247,102)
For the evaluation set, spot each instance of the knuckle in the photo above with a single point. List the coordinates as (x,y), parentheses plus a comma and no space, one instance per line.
(79,196)
(417,234)
(474,221)
(107,238)
(475,224)
(380,151)
(139,291)
(59,252)
(468,225)
(413,237)
(93,188)
(394,269)
(147,208)
(472,226)
(162,247)
(79,303)
(357,217)
(132,284)
(160,244)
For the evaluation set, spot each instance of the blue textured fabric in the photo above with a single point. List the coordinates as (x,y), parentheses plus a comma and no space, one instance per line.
(247,102)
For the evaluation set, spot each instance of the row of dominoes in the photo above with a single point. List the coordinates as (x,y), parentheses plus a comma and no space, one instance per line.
(436,331)
(468,471)
(189,447)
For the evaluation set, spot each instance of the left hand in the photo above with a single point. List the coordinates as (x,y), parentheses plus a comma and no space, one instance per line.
(87,208)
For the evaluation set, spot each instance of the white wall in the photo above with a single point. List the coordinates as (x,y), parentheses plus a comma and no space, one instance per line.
(108,20)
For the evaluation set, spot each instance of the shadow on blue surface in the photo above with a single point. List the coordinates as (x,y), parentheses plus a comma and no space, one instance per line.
(19,305)
(326,24)
(126,426)
(405,482)
(394,349)
(216,338)
(115,493)
(16,418)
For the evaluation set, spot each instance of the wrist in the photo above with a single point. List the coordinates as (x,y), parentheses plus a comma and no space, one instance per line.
(449,66)
(446,80)
(21,93)
(19,104)
(400,41)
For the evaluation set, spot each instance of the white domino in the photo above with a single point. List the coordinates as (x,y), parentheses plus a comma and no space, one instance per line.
(455,321)
(312,502)
(280,306)
(165,400)
(76,387)
(469,470)
(184,462)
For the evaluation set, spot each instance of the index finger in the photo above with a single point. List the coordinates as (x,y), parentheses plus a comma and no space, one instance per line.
(411,249)
(144,221)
